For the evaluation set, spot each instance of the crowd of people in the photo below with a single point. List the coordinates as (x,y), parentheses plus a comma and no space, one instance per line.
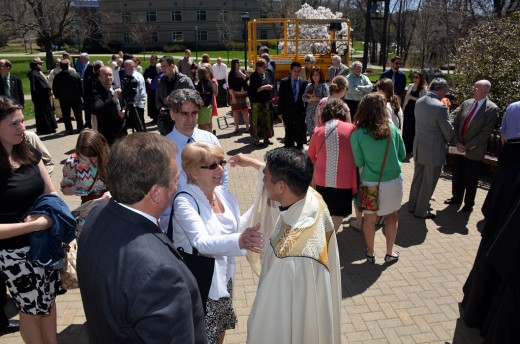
(168,201)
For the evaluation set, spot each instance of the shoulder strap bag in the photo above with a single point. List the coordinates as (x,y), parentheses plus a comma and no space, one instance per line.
(201,267)
(369,194)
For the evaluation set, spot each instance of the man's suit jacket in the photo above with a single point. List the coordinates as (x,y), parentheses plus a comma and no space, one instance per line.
(67,86)
(16,89)
(343,70)
(479,130)
(287,106)
(432,131)
(105,109)
(134,285)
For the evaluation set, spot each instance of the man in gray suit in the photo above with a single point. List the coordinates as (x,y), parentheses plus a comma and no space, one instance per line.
(473,123)
(432,131)
(336,69)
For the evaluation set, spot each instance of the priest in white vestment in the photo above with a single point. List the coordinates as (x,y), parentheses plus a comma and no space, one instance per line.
(299,293)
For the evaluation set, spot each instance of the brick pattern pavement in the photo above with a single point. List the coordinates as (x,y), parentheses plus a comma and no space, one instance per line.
(413,301)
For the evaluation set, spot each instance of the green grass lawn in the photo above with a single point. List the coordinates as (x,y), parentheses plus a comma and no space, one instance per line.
(21,64)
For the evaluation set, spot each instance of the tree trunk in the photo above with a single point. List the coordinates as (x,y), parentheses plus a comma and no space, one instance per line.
(49,60)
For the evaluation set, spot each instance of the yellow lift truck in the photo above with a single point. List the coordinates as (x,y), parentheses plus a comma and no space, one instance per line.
(291,39)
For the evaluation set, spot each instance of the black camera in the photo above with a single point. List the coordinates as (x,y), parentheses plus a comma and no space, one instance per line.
(129,87)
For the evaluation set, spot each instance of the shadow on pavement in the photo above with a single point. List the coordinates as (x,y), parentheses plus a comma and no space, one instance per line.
(465,335)
(356,274)
(411,231)
(452,221)
(74,333)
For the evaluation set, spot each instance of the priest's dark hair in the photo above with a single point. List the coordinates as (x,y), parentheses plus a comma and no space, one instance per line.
(292,167)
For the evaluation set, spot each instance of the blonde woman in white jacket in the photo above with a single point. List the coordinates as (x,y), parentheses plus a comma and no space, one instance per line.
(207,218)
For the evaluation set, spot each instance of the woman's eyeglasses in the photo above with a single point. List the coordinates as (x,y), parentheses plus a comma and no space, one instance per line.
(215,165)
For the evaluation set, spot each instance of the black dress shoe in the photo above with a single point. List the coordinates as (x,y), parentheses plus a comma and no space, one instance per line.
(452,201)
(427,216)
(13,326)
(467,209)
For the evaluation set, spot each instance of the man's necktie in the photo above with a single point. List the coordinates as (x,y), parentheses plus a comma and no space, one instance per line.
(468,120)
(7,87)
(336,72)
(294,90)
(190,140)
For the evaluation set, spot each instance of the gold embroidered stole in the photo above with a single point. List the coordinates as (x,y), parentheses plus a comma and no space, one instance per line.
(310,241)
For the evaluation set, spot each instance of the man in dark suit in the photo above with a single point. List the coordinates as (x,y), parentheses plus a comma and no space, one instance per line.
(68,89)
(291,107)
(87,75)
(473,122)
(11,85)
(107,105)
(432,131)
(134,285)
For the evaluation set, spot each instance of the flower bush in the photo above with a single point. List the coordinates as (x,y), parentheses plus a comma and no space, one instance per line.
(491,51)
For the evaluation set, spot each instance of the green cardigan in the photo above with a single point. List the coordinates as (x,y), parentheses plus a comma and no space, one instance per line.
(369,153)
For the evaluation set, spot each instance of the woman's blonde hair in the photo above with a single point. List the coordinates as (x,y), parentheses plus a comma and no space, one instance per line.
(197,154)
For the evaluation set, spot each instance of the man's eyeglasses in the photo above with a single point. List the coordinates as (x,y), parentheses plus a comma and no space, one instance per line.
(215,165)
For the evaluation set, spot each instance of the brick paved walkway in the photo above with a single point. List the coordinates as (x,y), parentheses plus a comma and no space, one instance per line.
(413,301)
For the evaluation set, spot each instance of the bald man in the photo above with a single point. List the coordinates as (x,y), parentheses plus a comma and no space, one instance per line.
(473,124)
(140,97)
(68,89)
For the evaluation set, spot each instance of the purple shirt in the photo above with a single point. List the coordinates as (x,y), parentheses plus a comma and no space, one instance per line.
(510,128)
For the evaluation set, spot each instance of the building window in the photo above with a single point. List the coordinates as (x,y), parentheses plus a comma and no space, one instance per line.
(202,35)
(151,16)
(154,37)
(126,17)
(201,15)
(127,38)
(177,36)
(176,16)
(263,34)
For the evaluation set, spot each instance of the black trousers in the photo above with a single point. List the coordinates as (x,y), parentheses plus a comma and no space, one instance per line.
(222,95)
(66,107)
(466,173)
(295,131)
(352,105)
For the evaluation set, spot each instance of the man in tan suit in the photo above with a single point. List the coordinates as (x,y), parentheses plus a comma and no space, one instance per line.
(473,122)
(432,131)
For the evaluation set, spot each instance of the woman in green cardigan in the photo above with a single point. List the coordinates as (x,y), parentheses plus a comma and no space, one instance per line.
(369,141)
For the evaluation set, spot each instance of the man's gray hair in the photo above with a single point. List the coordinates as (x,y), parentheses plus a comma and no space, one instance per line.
(438,84)
(310,58)
(178,97)
(85,55)
(336,57)
(97,65)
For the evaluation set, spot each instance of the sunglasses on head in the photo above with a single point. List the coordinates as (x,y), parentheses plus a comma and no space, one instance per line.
(215,165)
